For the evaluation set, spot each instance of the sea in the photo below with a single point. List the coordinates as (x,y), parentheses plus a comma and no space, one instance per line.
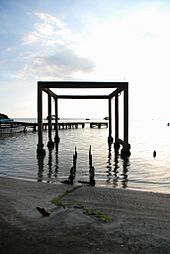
(141,171)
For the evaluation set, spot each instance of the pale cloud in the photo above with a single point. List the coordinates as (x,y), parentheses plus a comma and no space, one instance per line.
(30,38)
(48,30)
(61,65)
(51,20)
(50,54)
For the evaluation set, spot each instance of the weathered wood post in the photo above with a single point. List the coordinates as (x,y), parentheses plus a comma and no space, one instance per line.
(110,138)
(126,148)
(126,112)
(116,144)
(50,143)
(116,116)
(57,139)
(40,145)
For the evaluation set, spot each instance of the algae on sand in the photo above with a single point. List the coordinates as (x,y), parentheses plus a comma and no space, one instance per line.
(75,204)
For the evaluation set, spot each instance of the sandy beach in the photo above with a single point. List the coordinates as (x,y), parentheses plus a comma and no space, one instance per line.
(83,219)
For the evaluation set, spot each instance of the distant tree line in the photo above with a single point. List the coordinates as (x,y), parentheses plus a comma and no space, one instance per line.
(3,116)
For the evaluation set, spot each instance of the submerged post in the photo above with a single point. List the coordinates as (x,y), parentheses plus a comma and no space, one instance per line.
(50,142)
(110,138)
(40,145)
(57,139)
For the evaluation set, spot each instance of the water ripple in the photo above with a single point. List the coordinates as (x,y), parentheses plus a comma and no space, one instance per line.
(18,159)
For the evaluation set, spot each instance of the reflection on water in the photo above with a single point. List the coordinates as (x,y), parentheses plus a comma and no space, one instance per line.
(51,161)
(40,160)
(56,160)
(109,164)
(141,171)
(49,164)
(116,175)
(116,168)
(124,173)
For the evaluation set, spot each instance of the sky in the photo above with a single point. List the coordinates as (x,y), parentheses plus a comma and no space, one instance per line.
(95,40)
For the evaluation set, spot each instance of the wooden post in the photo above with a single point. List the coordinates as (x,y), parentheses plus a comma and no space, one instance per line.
(126,149)
(116,116)
(110,138)
(126,112)
(116,145)
(56,121)
(50,142)
(40,144)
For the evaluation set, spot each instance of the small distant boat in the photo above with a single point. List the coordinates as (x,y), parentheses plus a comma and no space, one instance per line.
(106,118)
(7,126)
(53,117)
(87,119)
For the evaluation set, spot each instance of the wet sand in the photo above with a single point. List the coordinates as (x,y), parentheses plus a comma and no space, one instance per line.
(140,221)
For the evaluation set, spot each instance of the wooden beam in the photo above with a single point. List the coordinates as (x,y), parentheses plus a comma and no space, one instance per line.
(114,93)
(82,96)
(48,91)
(81,84)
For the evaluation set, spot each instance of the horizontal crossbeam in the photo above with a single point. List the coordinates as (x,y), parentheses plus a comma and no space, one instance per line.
(82,96)
(81,84)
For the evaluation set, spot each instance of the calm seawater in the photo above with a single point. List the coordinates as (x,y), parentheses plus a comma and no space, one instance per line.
(141,171)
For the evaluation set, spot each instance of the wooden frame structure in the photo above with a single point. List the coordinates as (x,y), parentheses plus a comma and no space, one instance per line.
(44,86)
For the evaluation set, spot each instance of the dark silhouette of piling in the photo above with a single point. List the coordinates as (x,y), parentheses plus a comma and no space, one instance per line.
(70,179)
(154,153)
(90,158)
(91,181)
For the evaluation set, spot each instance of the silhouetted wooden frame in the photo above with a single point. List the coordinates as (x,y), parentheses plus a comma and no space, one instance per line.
(44,86)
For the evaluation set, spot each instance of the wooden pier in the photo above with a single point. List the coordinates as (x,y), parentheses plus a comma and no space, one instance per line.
(98,125)
(70,125)
(64,125)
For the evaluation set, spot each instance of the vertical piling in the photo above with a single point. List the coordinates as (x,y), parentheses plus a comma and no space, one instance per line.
(40,145)
(116,116)
(50,142)
(126,112)
(126,150)
(116,145)
(57,139)
(110,138)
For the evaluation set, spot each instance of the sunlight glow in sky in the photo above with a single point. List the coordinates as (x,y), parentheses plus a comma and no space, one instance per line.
(95,40)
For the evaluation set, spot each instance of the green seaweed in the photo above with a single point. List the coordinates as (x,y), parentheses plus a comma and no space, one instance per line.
(102,217)
(97,214)
(58,200)
(89,212)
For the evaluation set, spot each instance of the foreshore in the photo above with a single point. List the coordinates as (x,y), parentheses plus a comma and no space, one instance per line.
(83,219)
